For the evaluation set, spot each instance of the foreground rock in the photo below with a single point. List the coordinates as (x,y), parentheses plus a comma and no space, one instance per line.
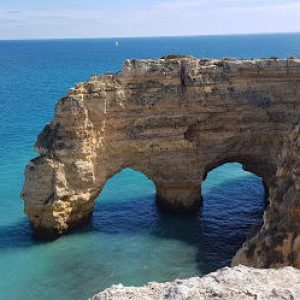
(239,283)
(175,120)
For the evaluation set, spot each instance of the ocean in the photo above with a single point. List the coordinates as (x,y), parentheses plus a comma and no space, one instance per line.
(128,240)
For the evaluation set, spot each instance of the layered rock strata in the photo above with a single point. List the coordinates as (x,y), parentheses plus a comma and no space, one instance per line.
(175,120)
(239,283)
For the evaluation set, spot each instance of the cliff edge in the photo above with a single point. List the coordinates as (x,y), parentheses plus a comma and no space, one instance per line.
(239,283)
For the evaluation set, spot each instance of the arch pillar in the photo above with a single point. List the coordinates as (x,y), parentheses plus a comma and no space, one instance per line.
(180,197)
(55,200)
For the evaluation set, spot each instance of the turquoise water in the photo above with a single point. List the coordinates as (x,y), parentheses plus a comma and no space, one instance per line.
(128,240)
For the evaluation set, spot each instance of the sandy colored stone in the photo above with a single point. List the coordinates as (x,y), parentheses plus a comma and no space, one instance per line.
(175,120)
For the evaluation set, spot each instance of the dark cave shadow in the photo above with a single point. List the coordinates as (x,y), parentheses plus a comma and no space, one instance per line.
(217,230)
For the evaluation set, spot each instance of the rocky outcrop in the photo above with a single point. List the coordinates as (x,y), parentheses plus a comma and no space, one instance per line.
(239,283)
(175,120)
(278,241)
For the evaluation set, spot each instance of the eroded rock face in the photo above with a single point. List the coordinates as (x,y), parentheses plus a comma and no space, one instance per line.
(175,120)
(278,241)
(239,283)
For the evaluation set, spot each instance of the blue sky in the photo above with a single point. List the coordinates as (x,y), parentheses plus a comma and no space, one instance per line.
(30,19)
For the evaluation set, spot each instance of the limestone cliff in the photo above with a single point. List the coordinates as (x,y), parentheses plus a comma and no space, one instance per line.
(175,120)
(278,241)
(239,283)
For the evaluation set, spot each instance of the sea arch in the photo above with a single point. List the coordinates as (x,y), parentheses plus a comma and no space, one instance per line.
(262,168)
(174,120)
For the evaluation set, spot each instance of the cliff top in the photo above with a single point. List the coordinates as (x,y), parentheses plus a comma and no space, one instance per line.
(189,69)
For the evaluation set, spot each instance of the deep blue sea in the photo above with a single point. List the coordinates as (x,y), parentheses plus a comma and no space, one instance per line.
(128,240)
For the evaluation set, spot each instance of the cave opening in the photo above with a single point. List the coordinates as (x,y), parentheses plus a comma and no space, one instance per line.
(137,234)
(234,201)
(127,197)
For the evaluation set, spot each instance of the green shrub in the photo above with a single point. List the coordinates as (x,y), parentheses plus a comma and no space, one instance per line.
(173,56)
(220,63)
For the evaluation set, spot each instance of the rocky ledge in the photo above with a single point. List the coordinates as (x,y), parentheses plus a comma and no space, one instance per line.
(228,283)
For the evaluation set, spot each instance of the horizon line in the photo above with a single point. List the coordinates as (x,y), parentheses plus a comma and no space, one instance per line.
(150,36)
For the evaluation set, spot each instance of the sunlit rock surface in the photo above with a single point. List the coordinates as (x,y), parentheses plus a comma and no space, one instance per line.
(175,120)
(239,283)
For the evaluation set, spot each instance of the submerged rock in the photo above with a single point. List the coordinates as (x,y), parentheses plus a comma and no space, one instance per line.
(239,283)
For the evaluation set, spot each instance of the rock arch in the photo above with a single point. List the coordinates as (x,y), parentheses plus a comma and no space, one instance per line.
(251,163)
(173,120)
(127,184)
